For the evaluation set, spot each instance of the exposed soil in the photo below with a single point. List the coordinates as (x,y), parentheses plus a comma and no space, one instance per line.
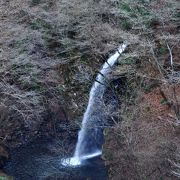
(149,143)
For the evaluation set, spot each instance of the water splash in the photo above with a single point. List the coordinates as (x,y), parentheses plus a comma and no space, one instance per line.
(90,137)
(76,161)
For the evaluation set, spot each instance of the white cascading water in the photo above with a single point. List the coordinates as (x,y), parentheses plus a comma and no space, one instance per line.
(90,137)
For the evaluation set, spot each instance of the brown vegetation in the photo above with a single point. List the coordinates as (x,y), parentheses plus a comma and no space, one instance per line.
(49,53)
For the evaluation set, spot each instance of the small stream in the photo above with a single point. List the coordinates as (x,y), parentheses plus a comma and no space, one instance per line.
(41,160)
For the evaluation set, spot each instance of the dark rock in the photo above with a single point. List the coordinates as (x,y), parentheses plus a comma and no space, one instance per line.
(3,156)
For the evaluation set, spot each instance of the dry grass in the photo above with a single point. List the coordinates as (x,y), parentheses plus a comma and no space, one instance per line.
(49,53)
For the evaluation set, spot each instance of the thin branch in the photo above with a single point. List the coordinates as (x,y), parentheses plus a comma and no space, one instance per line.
(170,52)
(155,58)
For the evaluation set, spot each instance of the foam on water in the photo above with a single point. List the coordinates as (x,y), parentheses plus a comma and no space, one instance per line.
(75,161)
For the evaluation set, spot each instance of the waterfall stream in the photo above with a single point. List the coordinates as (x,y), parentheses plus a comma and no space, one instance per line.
(90,137)
(44,158)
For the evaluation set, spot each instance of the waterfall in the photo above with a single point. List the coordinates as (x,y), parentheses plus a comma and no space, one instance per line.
(90,137)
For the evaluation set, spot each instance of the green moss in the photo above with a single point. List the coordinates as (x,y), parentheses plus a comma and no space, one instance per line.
(28,66)
(163,101)
(142,1)
(127,60)
(126,25)
(163,50)
(26,78)
(142,11)
(60,89)
(35,2)
(135,15)
(40,24)
(32,84)
(19,70)
(177,15)
(23,69)
(133,10)
(3,178)
(125,7)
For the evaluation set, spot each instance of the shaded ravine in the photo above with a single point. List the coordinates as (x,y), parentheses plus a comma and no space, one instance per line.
(44,159)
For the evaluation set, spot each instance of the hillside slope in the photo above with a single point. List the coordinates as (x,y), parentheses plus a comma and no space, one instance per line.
(50,52)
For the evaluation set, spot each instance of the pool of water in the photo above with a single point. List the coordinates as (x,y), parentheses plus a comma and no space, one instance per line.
(42,160)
